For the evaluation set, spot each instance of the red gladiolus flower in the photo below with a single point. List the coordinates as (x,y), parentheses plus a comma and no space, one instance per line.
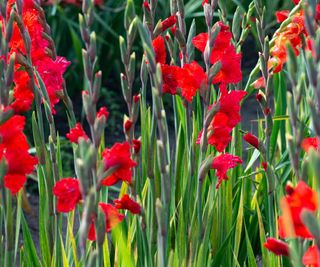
(126,203)
(67,192)
(302,197)
(190,78)
(224,52)
(127,125)
(277,247)
(170,79)
(159,49)
(225,120)
(118,156)
(14,149)
(252,140)
(146,5)
(103,112)
(222,164)
(168,22)
(49,69)
(75,133)
(311,257)
(113,218)
(205,2)
(310,143)
(282,15)
(136,98)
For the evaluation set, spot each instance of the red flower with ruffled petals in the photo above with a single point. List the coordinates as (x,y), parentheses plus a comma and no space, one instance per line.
(302,197)
(14,149)
(310,143)
(118,157)
(126,203)
(225,119)
(190,78)
(113,218)
(224,52)
(170,79)
(77,132)
(311,257)
(277,246)
(67,192)
(222,164)
(159,49)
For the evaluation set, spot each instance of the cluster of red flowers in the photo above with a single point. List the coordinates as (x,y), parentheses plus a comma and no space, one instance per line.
(291,34)
(189,78)
(14,150)
(297,199)
(117,160)
(50,69)
(220,128)
(68,195)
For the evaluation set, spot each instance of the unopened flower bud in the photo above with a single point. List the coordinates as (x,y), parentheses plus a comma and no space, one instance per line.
(252,140)
(136,143)
(127,124)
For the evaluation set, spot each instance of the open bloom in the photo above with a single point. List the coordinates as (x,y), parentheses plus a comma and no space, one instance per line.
(75,133)
(223,51)
(67,192)
(223,122)
(277,247)
(126,203)
(118,157)
(310,143)
(311,257)
(113,218)
(50,68)
(299,198)
(222,164)
(14,149)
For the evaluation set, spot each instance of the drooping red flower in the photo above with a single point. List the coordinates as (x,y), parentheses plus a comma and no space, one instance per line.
(126,203)
(310,143)
(222,164)
(168,22)
(77,132)
(311,257)
(251,139)
(230,105)
(118,156)
(223,51)
(301,197)
(225,119)
(67,192)
(14,149)
(113,218)
(277,246)
(159,49)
